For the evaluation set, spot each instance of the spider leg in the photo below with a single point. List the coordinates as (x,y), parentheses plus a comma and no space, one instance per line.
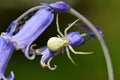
(58,36)
(58,28)
(68,54)
(65,31)
(62,50)
(75,52)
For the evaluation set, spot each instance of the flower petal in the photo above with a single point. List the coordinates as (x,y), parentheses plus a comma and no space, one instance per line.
(59,6)
(46,55)
(6,50)
(11,28)
(75,38)
(48,64)
(32,29)
(88,30)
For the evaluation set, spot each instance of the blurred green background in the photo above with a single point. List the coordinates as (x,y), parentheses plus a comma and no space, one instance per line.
(103,13)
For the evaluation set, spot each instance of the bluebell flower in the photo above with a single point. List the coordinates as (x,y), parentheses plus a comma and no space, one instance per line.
(31,30)
(21,37)
(35,26)
(6,50)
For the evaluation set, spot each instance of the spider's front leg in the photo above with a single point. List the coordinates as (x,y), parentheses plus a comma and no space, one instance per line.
(65,31)
(58,28)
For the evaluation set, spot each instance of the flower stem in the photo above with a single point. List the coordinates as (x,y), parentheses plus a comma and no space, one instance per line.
(29,11)
(101,40)
(25,14)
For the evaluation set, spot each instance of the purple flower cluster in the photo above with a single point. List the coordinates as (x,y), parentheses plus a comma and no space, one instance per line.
(22,37)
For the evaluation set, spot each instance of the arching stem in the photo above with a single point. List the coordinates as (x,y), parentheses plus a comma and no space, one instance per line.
(26,13)
(101,40)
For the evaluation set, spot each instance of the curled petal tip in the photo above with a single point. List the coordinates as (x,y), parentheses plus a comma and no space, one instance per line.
(51,68)
(32,51)
(26,51)
(30,57)
(10,77)
(44,65)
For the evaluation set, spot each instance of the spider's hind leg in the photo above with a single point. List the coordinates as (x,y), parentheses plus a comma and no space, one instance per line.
(68,54)
(75,52)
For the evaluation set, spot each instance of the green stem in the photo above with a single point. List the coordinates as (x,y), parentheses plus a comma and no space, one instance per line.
(101,40)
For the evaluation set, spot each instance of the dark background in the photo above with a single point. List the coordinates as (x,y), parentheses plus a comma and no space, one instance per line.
(103,13)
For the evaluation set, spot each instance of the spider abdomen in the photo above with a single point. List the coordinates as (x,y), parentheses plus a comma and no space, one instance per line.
(55,43)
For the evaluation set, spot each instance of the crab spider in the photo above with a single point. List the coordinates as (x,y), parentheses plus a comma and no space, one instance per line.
(56,45)
(63,42)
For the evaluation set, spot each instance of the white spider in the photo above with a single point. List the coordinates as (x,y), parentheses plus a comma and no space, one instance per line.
(63,42)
